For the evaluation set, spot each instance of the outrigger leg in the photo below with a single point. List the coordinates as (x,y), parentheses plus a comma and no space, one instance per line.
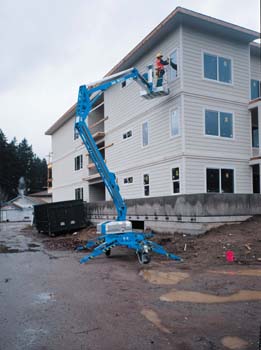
(132,240)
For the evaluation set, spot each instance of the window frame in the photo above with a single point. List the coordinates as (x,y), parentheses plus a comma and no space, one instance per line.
(172,181)
(259,88)
(178,64)
(80,191)
(216,109)
(143,185)
(127,138)
(219,168)
(75,132)
(142,145)
(126,83)
(128,183)
(218,55)
(81,162)
(170,122)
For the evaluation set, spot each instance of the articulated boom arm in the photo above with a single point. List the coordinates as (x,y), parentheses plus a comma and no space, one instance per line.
(87,96)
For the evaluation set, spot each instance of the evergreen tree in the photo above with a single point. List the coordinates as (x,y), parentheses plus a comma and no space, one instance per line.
(17,160)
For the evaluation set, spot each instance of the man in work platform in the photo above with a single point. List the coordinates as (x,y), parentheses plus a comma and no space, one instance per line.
(159,67)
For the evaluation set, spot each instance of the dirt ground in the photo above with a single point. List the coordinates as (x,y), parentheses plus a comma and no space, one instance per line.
(49,301)
(209,249)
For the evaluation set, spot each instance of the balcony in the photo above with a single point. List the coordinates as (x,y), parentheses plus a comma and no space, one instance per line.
(255,113)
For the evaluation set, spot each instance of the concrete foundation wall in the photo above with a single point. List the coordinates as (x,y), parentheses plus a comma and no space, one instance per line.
(193,214)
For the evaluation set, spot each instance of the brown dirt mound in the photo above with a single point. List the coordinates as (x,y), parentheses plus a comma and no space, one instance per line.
(243,239)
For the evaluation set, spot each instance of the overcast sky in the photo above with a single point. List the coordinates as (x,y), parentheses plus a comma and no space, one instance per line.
(50,47)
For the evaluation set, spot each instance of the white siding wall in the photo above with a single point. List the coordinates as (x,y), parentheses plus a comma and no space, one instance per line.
(129,153)
(238,147)
(124,104)
(199,94)
(192,151)
(255,67)
(65,178)
(127,111)
(194,45)
(196,174)
(160,180)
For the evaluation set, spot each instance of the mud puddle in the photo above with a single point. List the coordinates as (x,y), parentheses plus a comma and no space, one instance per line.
(33,245)
(234,343)
(250,272)
(167,278)
(204,298)
(43,298)
(4,249)
(153,317)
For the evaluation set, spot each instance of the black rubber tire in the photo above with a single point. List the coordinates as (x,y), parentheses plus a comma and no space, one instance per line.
(108,253)
(144,258)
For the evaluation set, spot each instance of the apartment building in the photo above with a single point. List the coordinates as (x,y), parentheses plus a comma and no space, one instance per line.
(202,137)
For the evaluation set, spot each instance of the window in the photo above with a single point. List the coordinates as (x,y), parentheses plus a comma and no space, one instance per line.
(78,162)
(127,135)
(174,123)
(128,180)
(76,134)
(175,180)
(255,137)
(146,184)
(145,134)
(217,68)
(255,89)
(220,180)
(79,193)
(173,72)
(218,124)
(126,82)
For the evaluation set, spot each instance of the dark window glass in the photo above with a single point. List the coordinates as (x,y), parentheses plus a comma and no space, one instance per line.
(210,66)
(127,134)
(146,179)
(256,178)
(226,128)
(255,137)
(212,180)
(211,123)
(175,174)
(173,63)
(128,180)
(76,134)
(255,89)
(176,187)
(78,163)
(227,180)
(224,67)
(146,190)
(79,193)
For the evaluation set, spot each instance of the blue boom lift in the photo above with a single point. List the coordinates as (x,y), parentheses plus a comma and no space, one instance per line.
(118,232)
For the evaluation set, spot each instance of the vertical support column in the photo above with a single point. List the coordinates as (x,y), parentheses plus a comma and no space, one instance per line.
(259,176)
(259,125)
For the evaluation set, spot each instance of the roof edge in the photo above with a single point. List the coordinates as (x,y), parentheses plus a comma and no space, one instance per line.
(182,10)
(62,120)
